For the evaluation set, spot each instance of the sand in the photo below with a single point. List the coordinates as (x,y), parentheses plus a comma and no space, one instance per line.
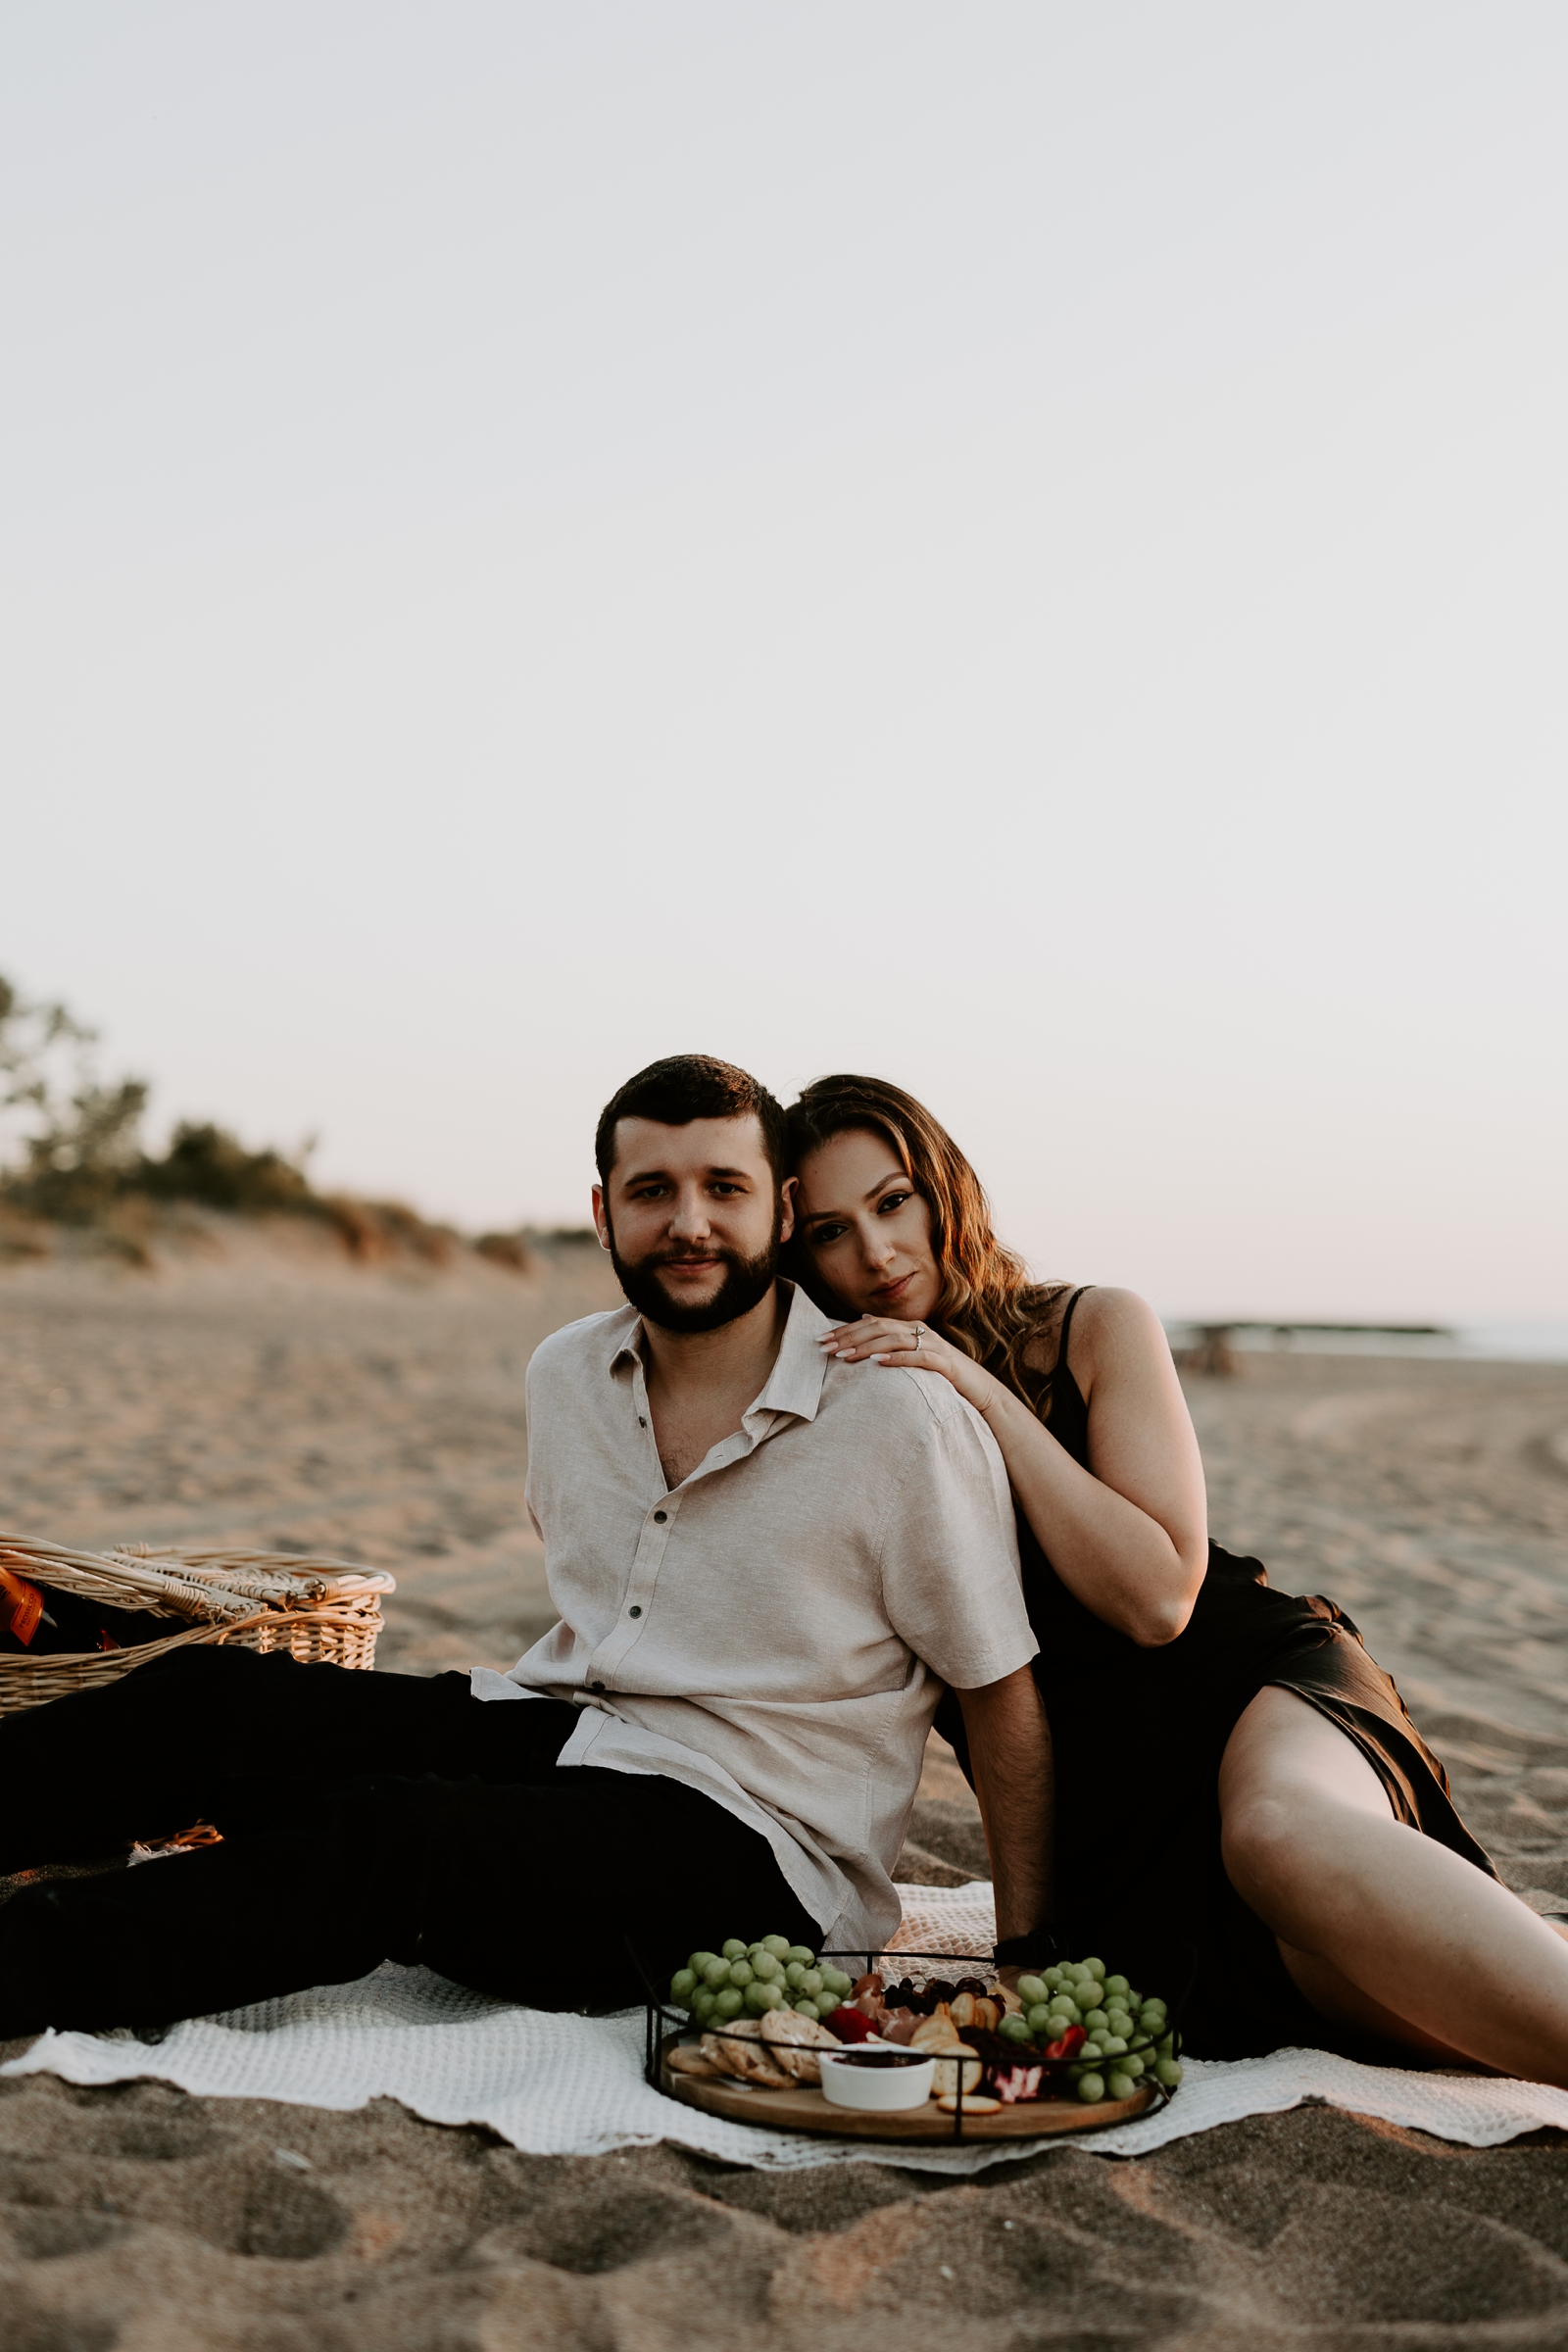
(257,1389)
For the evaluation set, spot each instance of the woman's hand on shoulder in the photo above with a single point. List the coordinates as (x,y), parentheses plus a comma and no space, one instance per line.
(884,1339)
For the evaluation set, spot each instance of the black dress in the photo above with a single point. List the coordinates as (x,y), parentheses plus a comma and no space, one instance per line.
(1138,1735)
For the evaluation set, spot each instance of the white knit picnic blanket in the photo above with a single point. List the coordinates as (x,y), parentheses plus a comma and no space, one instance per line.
(557,2085)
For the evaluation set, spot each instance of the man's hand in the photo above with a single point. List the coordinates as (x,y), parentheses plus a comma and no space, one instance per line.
(1015,1782)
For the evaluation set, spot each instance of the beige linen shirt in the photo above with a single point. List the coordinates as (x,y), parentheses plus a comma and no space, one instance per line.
(776,1630)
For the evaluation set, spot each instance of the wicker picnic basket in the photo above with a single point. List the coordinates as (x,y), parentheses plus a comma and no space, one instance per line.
(315,1609)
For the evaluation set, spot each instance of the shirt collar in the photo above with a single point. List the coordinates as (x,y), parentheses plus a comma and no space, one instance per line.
(795,1384)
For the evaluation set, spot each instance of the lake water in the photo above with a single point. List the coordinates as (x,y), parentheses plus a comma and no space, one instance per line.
(1478,1343)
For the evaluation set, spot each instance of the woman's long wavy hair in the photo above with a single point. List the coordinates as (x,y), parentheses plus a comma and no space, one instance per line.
(988,1306)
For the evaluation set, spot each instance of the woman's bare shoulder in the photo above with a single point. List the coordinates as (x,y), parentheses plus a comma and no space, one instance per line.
(1105,1305)
(1105,1320)
(1119,1331)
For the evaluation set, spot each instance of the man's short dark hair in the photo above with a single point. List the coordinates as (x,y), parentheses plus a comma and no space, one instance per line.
(691,1086)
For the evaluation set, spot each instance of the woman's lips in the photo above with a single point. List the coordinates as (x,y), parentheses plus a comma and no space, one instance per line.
(893,1289)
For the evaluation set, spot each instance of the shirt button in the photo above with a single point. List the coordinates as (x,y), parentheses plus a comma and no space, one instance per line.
(660,1517)
(596,1685)
(634,1611)
(642,1422)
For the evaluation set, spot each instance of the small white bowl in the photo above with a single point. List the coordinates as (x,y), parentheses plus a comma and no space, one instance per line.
(876,2089)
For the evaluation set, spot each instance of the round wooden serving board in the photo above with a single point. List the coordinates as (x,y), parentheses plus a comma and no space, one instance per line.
(809,2111)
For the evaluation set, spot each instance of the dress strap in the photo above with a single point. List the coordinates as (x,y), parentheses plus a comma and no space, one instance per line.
(1060,1364)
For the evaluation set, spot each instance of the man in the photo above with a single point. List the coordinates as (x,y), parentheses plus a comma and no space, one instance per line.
(761,1569)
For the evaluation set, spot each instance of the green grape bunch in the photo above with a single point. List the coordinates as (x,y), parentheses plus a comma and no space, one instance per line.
(1128,2038)
(746,1979)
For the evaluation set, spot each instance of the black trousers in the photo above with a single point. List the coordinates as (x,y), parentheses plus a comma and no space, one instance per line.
(366,1817)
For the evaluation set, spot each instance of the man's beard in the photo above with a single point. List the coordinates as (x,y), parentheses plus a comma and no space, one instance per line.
(747,1281)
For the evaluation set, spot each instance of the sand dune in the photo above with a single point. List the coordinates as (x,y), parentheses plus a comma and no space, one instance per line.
(260,1389)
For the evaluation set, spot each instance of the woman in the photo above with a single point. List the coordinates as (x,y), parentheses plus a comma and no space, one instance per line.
(1243,1803)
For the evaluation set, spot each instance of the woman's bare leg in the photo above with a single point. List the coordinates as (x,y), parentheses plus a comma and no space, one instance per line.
(1381,1927)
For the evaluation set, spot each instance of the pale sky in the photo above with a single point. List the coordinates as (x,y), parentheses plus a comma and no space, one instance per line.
(1020,549)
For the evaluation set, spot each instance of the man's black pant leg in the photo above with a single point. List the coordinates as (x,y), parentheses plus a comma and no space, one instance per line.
(530,1893)
(566,1896)
(320,1898)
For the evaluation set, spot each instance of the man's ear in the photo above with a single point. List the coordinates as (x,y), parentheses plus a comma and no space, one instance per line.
(601,1220)
(786,1208)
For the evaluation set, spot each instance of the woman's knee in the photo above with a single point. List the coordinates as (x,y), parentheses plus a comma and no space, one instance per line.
(1285,1843)
(1262,1839)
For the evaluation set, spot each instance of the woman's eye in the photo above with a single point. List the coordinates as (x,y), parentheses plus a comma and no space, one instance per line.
(823,1234)
(893,1200)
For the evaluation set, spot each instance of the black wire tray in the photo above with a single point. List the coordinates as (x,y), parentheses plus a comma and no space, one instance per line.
(665,2027)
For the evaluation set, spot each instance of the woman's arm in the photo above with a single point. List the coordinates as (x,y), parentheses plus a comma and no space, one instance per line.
(1128,1537)
(1011,1757)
